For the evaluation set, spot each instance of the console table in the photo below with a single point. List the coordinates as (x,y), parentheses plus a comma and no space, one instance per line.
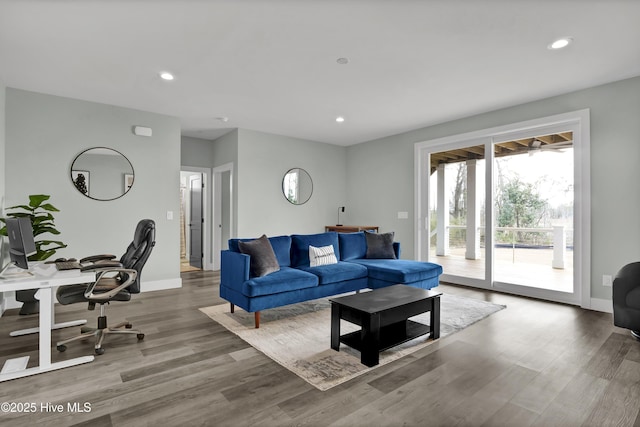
(350,228)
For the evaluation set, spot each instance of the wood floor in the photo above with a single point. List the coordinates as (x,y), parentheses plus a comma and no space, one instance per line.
(535,363)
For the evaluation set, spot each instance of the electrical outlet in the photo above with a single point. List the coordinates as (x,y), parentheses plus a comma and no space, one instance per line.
(607,280)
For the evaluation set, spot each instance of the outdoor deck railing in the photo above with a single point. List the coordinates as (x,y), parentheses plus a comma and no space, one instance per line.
(559,239)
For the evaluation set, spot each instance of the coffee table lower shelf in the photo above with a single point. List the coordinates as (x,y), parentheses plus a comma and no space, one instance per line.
(390,335)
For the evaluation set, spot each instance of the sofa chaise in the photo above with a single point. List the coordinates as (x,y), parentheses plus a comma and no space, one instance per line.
(310,266)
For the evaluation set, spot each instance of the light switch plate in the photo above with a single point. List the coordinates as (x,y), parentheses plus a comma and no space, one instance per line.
(403,215)
(169,215)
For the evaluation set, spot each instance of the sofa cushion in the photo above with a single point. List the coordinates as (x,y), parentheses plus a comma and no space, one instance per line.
(286,279)
(342,271)
(352,245)
(399,270)
(379,246)
(321,256)
(263,260)
(300,246)
(281,246)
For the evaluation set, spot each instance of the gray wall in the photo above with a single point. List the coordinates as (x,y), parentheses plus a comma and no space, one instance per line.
(3,250)
(381,172)
(196,152)
(44,133)
(263,159)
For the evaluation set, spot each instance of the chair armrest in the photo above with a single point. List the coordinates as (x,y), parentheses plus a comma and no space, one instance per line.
(102,272)
(234,269)
(94,258)
(101,265)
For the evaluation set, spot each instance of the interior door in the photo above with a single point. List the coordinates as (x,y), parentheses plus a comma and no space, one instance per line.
(195,221)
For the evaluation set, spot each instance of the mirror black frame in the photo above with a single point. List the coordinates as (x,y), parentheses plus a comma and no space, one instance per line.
(283,187)
(126,186)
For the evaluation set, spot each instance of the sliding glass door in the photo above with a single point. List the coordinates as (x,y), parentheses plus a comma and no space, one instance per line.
(457,207)
(533,216)
(500,209)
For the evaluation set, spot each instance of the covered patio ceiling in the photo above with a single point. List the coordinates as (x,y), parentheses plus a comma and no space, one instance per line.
(502,149)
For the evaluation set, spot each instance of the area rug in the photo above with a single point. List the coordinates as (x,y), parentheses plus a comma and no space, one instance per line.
(297,336)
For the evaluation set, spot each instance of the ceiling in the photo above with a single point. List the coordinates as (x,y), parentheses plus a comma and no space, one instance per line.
(272,65)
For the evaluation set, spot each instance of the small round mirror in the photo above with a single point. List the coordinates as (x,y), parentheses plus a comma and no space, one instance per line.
(102,173)
(297,186)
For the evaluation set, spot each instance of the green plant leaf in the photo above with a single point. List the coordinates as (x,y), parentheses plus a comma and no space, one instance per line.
(35,200)
(42,230)
(25,207)
(49,242)
(49,207)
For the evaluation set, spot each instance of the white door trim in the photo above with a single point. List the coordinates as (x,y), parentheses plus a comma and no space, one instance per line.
(217,209)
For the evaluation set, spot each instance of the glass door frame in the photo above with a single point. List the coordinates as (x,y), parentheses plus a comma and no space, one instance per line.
(576,122)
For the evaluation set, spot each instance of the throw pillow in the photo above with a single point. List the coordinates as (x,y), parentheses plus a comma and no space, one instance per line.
(321,256)
(380,245)
(263,258)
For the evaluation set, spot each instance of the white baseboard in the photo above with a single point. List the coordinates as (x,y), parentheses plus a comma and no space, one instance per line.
(604,305)
(158,285)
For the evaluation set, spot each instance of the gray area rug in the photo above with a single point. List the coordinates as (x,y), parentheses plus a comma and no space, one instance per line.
(297,336)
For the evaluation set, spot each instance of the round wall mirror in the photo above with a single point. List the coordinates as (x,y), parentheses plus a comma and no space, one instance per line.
(102,173)
(297,186)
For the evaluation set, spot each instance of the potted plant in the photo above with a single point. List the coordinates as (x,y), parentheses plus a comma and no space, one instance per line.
(42,221)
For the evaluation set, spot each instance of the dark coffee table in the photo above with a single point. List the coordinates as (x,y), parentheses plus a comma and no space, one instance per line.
(384,315)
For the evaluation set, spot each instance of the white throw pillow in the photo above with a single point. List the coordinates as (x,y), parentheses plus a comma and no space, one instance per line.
(322,256)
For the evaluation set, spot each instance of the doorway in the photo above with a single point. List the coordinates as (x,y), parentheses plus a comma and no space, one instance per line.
(194,221)
(501,211)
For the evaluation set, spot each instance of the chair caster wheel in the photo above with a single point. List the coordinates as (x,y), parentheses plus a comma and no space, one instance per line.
(99,351)
(140,337)
(61,347)
(128,326)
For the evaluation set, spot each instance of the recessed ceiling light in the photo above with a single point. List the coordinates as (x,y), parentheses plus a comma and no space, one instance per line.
(166,76)
(560,43)
(339,119)
(223,119)
(342,61)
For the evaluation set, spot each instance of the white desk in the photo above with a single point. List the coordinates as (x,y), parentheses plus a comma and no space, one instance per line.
(46,277)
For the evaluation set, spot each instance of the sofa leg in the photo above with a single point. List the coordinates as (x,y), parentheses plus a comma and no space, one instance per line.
(256,316)
(233,307)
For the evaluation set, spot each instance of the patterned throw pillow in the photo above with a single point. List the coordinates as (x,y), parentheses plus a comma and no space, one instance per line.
(322,256)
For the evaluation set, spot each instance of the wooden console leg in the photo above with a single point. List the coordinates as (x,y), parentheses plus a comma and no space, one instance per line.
(257,319)
(233,307)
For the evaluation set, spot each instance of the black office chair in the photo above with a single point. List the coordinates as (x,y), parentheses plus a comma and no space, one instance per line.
(626,298)
(115,281)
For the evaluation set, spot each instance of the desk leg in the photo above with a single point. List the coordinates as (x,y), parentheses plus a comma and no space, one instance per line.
(335,327)
(435,318)
(45,327)
(54,325)
(370,353)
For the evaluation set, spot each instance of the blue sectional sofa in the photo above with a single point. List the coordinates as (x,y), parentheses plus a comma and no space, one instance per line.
(296,281)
